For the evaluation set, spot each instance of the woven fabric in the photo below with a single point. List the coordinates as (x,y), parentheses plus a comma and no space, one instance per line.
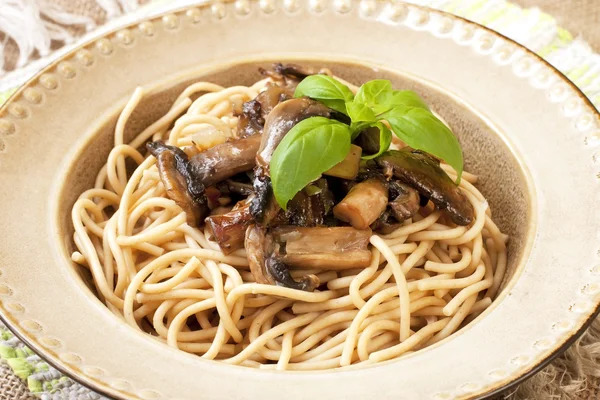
(11,386)
(575,375)
(580,17)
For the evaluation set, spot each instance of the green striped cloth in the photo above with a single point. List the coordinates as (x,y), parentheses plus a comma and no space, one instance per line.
(531,27)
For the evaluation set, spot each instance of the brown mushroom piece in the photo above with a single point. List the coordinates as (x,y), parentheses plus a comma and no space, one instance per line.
(268,269)
(298,71)
(187,180)
(347,168)
(172,169)
(406,201)
(363,204)
(289,75)
(322,247)
(240,188)
(254,112)
(386,223)
(255,243)
(310,207)
(279,122)
(229,229)
(224,160)
(286,77)
(422,172)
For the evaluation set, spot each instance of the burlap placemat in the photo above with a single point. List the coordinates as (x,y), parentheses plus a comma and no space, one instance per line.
(573,375)
(11,386)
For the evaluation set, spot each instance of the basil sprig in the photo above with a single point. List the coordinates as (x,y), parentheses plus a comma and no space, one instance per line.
(316,144)
(310,148)
(331,92)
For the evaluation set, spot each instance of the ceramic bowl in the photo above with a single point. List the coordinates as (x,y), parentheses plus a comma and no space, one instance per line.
(528,133)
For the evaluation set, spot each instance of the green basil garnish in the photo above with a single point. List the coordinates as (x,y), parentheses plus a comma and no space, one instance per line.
(422,130)
(310,148)
(325,89)
(385,139)
(316,144)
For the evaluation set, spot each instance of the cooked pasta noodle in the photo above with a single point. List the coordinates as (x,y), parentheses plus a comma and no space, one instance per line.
(167,278)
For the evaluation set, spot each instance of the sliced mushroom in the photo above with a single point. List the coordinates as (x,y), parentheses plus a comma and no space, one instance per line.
(229,229)
(283,117)
(268,269)
(263,208)
(280,273)
(250,120)
(289,75)
(406,201)
(241,188)
(224,160)
(254,112)
(188,181)
(271,96)
(285,77)
(348,167)
(255,243)
(172,168)
(322,247)
(310,207)
(423,172)
(298,71)
(365,202)
(386,223)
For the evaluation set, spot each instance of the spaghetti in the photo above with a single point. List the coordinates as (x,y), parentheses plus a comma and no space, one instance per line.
(167,278)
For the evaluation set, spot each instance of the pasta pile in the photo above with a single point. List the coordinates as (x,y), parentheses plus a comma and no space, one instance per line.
(425,280)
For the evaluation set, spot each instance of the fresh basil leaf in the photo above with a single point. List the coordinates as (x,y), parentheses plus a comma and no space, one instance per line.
(385,139)
(310,148)
(373,92)
(357,127)
(325,89)
(379,95)
(422,130)
(359,112)
(404,98)
(337,105)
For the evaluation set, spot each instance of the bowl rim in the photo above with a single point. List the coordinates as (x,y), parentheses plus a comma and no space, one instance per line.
(487,392)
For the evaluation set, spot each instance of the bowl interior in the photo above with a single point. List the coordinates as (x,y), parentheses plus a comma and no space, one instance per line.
(486,151)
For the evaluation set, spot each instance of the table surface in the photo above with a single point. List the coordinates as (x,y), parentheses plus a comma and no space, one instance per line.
(580,17)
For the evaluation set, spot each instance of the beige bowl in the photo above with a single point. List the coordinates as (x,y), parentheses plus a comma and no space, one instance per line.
(529,134)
